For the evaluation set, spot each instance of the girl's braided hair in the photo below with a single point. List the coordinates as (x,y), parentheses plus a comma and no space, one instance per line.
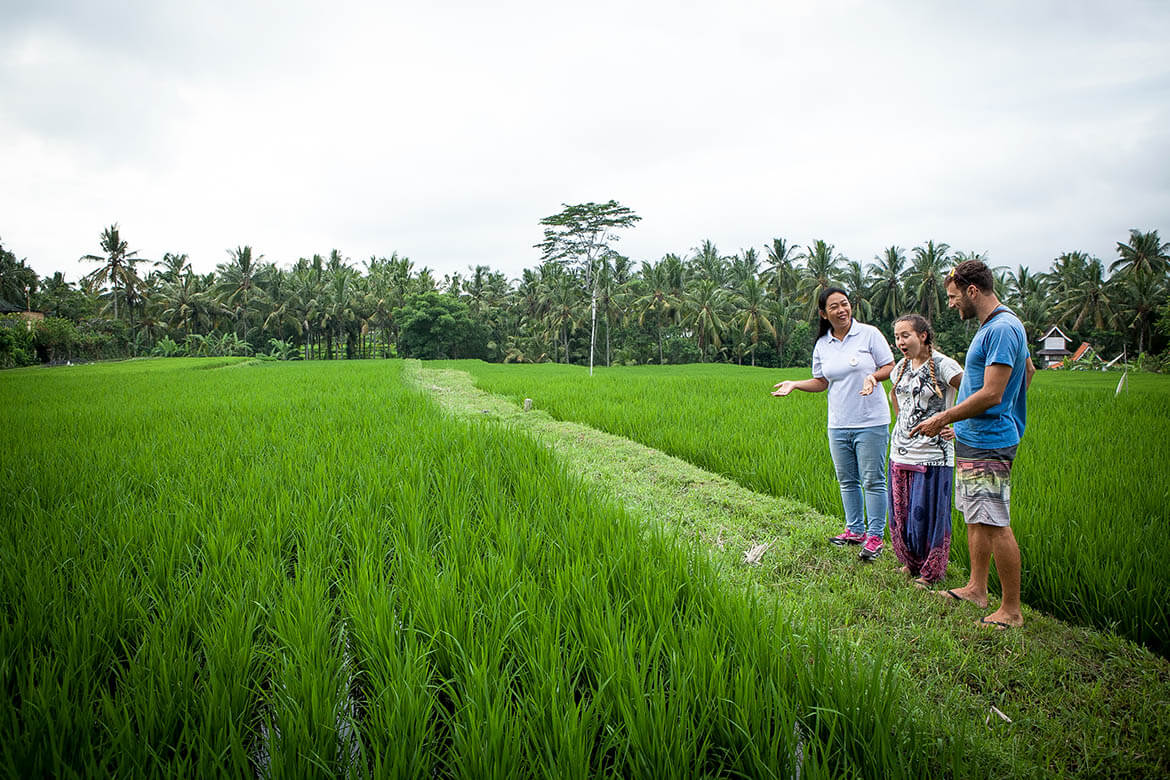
(920,325)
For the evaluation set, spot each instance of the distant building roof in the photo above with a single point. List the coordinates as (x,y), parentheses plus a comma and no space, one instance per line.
(1082,350)
(1056,330)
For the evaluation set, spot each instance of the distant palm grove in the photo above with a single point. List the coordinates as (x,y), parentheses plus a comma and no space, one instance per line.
(757,306)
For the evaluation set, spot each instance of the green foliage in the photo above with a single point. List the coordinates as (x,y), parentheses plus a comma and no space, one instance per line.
(451,602)
(216,345)
(56,339)
(167,347)
(436,325)
(16,342)
(282,350)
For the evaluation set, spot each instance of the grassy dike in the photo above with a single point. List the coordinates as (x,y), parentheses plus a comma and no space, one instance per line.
(1080,702)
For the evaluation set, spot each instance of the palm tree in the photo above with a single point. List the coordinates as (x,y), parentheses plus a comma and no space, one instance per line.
(1023,285)
(565,303)
(117,269)
(784,317)
(822,270)
(17,280)
(745,267)
(278,304)
(783,265)
(1141,296)
(925,280)
(174,265)
(654,298)
(709,265)
(752,304)
(186,303)
(1088,301)
(1144,254)
(237,283)
(339,313)
(857,282)
(703,312)
(887,290)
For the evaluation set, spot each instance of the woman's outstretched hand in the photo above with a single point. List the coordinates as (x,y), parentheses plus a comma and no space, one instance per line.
(781,389)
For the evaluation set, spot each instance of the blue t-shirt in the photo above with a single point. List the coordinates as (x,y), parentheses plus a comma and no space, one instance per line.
(844,364)
(1000,340)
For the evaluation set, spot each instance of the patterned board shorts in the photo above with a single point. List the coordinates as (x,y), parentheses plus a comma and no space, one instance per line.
(983,484)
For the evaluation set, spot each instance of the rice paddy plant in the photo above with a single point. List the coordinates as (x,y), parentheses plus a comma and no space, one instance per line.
(307,570)
(1089,484)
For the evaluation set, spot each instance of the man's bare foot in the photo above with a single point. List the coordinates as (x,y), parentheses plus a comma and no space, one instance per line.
(965,594)
(904,570)
(1001,620)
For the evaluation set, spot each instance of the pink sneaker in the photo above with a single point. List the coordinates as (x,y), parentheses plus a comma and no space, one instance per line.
(847,538)
(871,549)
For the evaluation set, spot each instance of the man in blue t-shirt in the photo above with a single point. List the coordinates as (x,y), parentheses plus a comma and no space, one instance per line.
(989,416)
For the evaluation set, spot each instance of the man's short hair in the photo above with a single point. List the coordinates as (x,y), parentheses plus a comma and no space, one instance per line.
(972,272)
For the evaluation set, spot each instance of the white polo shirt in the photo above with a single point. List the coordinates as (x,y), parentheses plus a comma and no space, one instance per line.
(845,363)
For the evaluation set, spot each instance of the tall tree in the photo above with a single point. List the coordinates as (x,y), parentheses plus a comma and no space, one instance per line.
(857,282)
(925,280)
(1089,301)
(1142,295)
(752,313)
(117,269)
(655,299)
(1144,254)
(704,312)
(709,264)
(822,269)
(745,267)
(580,235)
(237,283)
(18,282)
(783,265)
(888,290)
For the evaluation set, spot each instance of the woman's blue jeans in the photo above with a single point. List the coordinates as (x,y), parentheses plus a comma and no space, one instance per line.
(859,456)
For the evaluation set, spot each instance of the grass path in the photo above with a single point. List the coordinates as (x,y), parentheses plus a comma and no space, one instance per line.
(1047,700)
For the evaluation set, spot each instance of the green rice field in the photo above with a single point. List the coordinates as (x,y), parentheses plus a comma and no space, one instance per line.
(1090,498)
(307,569)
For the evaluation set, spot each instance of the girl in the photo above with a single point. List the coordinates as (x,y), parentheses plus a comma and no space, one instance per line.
(921,468)
(849,360)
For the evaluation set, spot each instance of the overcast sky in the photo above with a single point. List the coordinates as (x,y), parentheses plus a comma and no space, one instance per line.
(446,131)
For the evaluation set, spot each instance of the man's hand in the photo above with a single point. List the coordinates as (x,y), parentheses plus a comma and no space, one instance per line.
(930,427)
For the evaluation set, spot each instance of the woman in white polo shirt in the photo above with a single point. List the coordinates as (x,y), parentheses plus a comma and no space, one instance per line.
(849,360)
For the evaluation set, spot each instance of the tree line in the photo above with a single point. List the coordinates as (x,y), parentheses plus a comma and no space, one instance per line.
(584,301)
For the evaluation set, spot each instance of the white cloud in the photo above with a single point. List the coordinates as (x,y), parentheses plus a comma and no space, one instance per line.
(446,131)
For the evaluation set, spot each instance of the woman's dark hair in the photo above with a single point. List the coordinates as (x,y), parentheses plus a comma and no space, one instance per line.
(823,326)
(972,272)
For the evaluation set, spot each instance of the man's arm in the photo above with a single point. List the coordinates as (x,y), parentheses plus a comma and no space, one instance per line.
(1029,372)
(995,379)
